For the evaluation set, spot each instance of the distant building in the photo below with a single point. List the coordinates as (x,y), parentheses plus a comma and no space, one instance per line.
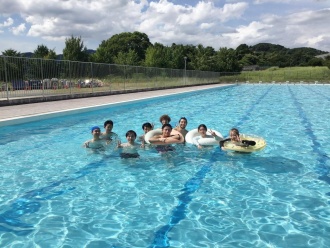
(251,68)
(322,56)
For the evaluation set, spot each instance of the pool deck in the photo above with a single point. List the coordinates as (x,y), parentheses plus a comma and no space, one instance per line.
(27,110)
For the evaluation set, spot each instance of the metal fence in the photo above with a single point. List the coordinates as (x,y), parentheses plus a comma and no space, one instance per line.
(31,77)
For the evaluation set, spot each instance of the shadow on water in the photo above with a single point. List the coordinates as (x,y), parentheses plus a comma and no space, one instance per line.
(273,165)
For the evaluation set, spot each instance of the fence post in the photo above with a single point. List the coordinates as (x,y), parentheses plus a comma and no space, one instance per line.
(70,78)
(6,77)
(92,77)
(42,78)
(110,77)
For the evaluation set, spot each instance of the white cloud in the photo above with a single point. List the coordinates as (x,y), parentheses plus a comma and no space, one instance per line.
(8,22)
(19,29)
(215,23)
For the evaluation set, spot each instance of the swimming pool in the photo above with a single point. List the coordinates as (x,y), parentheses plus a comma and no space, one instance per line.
(55,194)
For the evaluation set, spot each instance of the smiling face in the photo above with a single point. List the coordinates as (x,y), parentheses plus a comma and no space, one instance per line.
(202,131)
(183,123)
(108,128)
(131,138)
(96,133)
(234,136)
(166,131)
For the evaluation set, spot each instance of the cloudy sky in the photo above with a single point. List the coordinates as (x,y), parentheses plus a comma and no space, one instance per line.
(25,24)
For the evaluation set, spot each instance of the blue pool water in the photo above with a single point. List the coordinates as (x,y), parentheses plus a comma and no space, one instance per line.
(55,194)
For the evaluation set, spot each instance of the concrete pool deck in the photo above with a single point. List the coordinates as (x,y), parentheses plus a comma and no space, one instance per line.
(32,109)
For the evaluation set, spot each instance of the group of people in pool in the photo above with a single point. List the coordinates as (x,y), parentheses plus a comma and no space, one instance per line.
(162,141)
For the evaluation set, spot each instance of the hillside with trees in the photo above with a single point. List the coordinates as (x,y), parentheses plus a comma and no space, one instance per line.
(136,49)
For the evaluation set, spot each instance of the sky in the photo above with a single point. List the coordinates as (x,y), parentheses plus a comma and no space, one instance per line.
(26,24)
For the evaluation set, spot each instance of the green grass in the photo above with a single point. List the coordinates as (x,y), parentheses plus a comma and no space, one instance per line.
(291,74)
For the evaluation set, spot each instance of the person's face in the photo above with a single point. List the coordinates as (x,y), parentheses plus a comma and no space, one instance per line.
(164,121)
(108,127)
(233,136)
(146,129)
(167,131)
(130,138)
(96,132)
(183,123)
(202,131)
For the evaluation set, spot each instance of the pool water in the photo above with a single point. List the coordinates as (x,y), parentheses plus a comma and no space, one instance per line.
(54,193)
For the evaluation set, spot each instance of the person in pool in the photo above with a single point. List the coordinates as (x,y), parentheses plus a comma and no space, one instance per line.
(202,129)
(182,126)
(165,119)
(164,140)
(166,137)
(95,143)
(234,137)
(108,134)
(146,127)
(129,148)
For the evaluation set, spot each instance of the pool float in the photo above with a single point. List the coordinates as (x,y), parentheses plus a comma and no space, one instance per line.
(260,144)
(208,141)
(158,131)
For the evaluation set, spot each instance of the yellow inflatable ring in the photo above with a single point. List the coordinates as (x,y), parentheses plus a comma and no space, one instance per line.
(232,146)
(158,131)
(203,141)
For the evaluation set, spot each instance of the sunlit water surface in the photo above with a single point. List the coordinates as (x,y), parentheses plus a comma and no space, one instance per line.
(56,194)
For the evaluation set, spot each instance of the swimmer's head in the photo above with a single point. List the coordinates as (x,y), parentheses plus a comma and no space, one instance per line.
(146,127)
(108,125)
(95,128)
(131,132)
(183,122)
(234,134)
(165,119)
(108,122)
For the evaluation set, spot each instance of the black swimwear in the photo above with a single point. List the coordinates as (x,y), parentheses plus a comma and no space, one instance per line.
(129,155)
(167,148)
(244,142)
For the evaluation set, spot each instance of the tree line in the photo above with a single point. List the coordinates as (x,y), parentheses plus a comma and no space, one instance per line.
(135,48)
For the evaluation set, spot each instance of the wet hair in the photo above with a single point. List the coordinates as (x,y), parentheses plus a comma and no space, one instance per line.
(166,117)
(147,124)
(131,132)
(202,125)
(183,118)
(234,130)
(108,122)
(167,125)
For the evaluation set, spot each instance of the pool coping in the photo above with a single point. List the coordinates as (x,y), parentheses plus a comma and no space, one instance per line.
(18,114)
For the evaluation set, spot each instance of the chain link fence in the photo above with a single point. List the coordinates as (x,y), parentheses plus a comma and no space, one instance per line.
(33,77)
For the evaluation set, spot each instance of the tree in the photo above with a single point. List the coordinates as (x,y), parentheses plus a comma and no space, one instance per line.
(11,52)
(203,58)
(129,58)
(51,54)
(316,62)
(327,61)
(242,50)
(123,42)
(43,52)
(226,60)
(157,56)
(75,50)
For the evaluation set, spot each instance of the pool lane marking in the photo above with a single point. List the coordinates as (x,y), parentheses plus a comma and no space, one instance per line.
(322,157)
(317,92)
(191,186)
(30,202)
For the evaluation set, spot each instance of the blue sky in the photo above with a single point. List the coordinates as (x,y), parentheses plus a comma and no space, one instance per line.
(25,24)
